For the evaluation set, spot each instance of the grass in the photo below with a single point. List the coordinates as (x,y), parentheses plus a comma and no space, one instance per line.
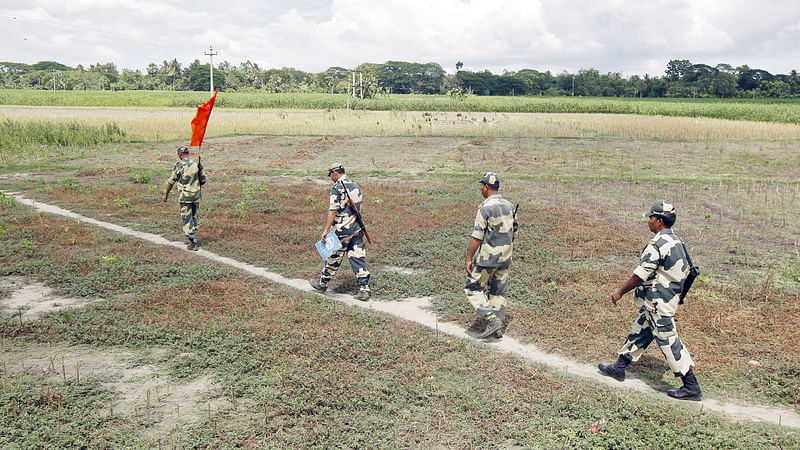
(22,141)
(42,138)
(301,372)
(557,255)
(327,373)
(780,111)
(159,124)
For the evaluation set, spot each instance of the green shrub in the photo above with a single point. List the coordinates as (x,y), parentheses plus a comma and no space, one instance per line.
(140,178)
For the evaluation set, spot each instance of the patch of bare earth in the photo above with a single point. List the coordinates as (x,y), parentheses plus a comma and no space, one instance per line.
(28,300)
(307,150)
(142,392)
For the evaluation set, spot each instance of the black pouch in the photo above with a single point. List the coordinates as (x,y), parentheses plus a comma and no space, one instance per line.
(694,271)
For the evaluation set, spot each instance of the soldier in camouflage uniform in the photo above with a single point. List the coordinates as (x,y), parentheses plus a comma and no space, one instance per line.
(489,259)
(187,174)
(658,281)
(346,226)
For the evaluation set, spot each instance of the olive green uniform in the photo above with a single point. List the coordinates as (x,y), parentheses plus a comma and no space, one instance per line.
(494,227)
(186,176)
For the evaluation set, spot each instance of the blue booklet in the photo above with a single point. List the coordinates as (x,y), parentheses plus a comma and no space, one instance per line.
(330,246)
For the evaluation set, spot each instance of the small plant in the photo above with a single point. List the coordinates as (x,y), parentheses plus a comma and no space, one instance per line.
(309,199)
(793,273)
(28,245)
(69,183)
(140,178)
(66,316)
(122,202)
(241,209)
(7,200)
(3,230)
(377,200)
(284,194)
(249,190)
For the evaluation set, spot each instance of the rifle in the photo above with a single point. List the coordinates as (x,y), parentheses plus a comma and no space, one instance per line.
(515,228)
(358,213)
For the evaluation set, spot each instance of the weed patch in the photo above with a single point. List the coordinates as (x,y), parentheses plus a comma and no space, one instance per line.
(25,141)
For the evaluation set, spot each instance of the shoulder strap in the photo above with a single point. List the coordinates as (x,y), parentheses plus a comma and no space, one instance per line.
(688,258)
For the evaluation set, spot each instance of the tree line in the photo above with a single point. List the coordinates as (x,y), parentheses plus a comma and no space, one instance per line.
(681,78)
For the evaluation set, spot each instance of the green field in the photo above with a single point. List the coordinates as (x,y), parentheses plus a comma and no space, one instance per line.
(258,364)
(779,111)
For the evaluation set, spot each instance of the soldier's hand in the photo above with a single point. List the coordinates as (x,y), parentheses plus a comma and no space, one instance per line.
(322,238)
(469,267)
(615,297)
(164,199)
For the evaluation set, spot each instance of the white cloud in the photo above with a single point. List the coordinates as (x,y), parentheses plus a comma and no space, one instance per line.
(311,35)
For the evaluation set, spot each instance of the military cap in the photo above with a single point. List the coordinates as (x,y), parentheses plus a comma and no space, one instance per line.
(333,167)
(183,149)
(491,179)
(661,208)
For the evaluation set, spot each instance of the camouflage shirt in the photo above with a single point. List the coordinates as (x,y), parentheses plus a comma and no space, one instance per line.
(345,222)
(186,174)
(663,267)
(494,227)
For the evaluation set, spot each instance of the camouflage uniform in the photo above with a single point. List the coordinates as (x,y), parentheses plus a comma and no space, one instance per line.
(349,232)
(495,228)
(186,175)
(663,266)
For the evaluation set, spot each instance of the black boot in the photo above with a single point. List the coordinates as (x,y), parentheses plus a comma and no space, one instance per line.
(616,370)
(690,389)
(492,326)
(477,327)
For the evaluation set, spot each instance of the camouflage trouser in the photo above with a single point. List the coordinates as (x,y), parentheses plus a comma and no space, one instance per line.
(651,325)
(496,280)
(353,246)
(189,219)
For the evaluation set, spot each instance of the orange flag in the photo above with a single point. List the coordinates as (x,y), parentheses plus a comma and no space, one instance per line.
(200,120)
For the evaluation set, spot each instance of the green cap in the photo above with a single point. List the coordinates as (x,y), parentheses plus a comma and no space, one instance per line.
(661,208)
(491,179)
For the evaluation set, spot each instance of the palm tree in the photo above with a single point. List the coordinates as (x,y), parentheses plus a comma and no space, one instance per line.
(171,71)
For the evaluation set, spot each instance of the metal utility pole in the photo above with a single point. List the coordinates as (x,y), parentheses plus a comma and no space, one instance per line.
(352,89)
(54,80)
(573,85)
(211,55)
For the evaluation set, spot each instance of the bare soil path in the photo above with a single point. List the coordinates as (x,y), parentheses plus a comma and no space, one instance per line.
(417,310)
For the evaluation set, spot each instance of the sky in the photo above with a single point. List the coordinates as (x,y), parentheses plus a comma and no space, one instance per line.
(631,37)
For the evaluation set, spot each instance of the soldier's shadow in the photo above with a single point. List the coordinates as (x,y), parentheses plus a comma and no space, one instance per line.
(651,370)
(348,285)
